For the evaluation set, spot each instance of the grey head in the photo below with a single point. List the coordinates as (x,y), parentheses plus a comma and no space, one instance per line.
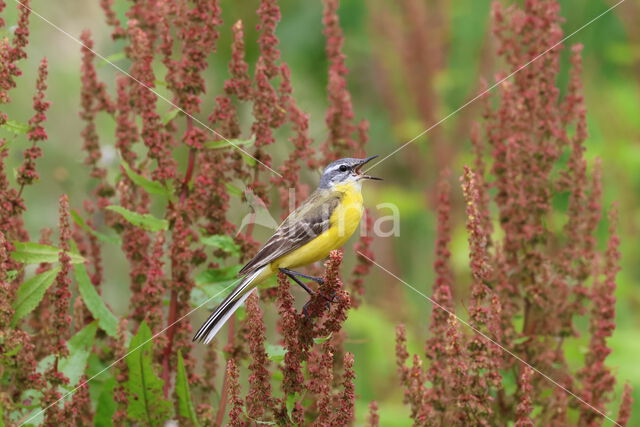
(345,170)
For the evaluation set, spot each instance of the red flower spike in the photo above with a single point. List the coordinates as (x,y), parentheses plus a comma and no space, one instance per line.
(269,15)
(345,401)
(259,399)
(340,115)
(525,404)
(374,418)
(236,414)
(293,380)
(62,294)
(364,263)
(21,34)
(112,19)
(435,347)
(240,83)
(598,380)
(624,414)
(301,141)
(94,99)
(121,374)
(27,173)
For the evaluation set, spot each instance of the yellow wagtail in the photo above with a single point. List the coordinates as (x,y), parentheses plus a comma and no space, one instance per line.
(324,222)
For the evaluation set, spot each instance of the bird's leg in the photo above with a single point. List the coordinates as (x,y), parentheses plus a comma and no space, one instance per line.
(288,272)
(292,274)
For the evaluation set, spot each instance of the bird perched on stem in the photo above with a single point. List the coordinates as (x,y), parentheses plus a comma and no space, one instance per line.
(324,222)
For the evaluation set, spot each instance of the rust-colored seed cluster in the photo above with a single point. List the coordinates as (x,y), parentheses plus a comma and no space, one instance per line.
(302,373)
(532,272)
(178,37)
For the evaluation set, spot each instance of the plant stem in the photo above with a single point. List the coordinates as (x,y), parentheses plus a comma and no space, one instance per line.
(190,167)
(166,356)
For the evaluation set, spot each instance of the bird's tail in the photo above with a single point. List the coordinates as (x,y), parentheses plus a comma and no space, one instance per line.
(225,310)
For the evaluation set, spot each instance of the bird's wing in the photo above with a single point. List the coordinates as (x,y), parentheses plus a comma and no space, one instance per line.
(303,225)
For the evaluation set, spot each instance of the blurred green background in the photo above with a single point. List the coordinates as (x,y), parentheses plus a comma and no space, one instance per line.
(466,54)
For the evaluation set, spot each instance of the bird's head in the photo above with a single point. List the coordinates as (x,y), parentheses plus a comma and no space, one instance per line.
(344,171)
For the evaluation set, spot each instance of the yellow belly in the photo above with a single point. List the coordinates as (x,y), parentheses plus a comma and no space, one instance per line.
(344,222)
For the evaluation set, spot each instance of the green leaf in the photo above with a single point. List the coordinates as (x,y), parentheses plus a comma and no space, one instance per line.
(170,115)
(211,285)
(269,282)
(223,242)
(16,127)
(150,186)
(212,293)
(185,405)
(100,236)
(36,253)
(216,145)
(118,56)
(249,160)
(106,405)
(216,275)
(11,275)
(322,339)
(12,352)
(276,352)
(291,402)
(34,414)
(80,345)
(30,293)
(146,221)
(208,294)
(106,319)
(241,313)
(233,190)
(146,402)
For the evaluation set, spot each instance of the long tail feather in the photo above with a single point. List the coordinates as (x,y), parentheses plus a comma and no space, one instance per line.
(225,310)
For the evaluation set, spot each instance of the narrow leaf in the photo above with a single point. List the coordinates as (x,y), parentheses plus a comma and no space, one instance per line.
(322,339)
(216,145)
(15,127)
(150,186)
(30,293)
(100,236)
(233,190)
(170,116)
(146,221)
(249,160)
(291,403)
(12,352)
(223,242)
(118,56)
(185,405)
(146,402)
(36,253)
(106,319)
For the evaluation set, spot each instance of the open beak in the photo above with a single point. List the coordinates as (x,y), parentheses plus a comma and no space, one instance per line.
(359,167)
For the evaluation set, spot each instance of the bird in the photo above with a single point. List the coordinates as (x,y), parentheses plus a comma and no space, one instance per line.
(322,223)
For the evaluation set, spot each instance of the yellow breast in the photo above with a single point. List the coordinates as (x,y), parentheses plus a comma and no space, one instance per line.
(343,223)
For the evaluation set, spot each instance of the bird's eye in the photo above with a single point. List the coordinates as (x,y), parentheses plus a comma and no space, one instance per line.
(343,168)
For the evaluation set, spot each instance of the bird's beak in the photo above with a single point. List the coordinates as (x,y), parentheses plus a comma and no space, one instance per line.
(362,163)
